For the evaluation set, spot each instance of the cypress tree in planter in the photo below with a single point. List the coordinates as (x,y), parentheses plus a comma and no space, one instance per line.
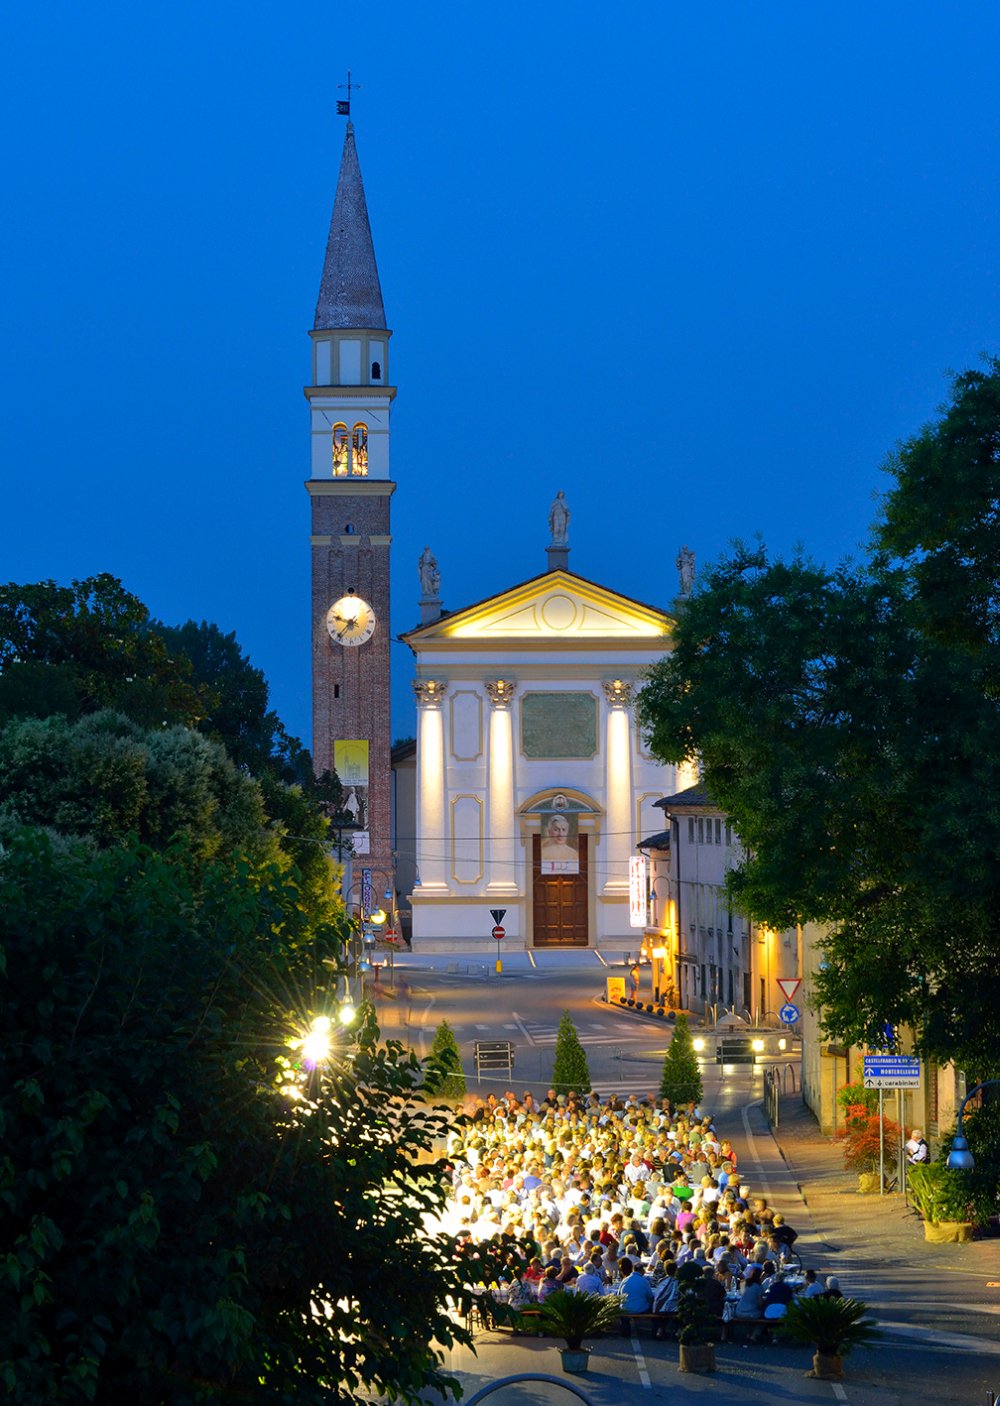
(680,1081)
(444,1053)
(570,1073)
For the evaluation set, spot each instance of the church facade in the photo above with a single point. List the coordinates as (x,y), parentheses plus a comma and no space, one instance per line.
(532,783)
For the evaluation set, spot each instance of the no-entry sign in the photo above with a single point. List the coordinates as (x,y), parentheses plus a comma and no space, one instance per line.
(499,933)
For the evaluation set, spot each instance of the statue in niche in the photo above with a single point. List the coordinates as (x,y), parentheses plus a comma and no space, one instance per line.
(685,569)
(430,577)
(559,520)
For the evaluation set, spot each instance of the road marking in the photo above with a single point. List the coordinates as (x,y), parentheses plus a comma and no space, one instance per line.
(751,1142)
(640,1362)
(600,958)
(839,1391)
(523,1028)
(930,1338)
(510,1027)
(531,958)
(596,1025)
(483,1027)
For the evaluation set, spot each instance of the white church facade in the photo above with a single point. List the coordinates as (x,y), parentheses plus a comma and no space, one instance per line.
(533,787)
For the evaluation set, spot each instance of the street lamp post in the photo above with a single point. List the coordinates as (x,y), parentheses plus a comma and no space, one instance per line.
(960,1159)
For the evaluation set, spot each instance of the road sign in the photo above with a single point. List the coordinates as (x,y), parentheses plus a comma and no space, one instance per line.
(891,1072)
(493,1054)
(498,914)
(789,1014)
(789,985)
(499,933)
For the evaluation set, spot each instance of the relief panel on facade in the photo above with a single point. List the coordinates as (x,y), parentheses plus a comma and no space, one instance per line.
(558,725)
(467,839)
(466,725)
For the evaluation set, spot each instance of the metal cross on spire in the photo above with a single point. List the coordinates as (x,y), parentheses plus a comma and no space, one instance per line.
(344,108)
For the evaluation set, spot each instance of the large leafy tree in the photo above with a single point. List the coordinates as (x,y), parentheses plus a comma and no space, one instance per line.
(191,1211)
(177,1227)
(848,721)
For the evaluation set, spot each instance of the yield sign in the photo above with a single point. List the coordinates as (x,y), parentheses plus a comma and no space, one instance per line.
(789,985)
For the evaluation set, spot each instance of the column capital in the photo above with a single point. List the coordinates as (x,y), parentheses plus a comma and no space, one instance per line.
(501,692)
(618,692)
(429,692)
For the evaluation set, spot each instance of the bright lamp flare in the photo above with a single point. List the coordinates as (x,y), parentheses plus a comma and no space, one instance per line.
(347,1013)
(316,1045)
(758,1046)
(699,1044)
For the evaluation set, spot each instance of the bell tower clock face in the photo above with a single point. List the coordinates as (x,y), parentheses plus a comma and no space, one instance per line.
(350,621)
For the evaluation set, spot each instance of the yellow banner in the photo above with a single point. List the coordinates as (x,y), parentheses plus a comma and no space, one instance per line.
(350,761)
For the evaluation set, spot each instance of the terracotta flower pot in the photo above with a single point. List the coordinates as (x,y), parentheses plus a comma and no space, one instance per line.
(697,1357)
(827,1366)
(947,1232)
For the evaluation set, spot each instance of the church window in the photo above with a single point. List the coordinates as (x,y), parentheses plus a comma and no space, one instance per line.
(359,451)
(340,445)
(376,371)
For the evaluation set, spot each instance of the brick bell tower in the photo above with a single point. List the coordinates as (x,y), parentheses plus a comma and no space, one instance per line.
(350,490)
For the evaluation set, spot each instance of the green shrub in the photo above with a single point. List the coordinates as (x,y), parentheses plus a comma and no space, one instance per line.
(680,1080)
(570,1073)
(446,1058)
(832,1326)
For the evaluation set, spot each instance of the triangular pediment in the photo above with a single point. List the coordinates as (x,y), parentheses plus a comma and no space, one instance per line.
(557,605)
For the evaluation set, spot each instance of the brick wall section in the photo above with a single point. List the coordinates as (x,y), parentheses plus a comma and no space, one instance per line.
(363,707)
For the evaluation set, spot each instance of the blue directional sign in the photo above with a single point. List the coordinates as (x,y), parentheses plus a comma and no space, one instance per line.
(789,1014)
(883,1071)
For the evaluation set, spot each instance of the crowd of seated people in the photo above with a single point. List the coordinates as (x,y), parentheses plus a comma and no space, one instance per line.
(614,1196)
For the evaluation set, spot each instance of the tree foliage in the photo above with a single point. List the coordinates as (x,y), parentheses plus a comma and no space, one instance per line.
(570,1073)
(847,720)
(447,1061)
(173,1219)
(85,647)
(680,1081)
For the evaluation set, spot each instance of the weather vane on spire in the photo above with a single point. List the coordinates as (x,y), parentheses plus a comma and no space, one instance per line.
(344,107)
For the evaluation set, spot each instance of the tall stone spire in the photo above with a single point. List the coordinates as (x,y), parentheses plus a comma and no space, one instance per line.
(349,291)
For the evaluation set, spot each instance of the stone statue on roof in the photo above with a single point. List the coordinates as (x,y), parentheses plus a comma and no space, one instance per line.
(559,520)
(430,577)
(685,569)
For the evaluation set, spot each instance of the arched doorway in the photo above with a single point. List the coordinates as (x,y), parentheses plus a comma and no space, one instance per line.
(561,832)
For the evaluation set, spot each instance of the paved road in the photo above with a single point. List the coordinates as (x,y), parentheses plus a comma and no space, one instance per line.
(942,1329)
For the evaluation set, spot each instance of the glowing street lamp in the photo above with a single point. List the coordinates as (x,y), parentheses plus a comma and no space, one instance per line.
(315,1046)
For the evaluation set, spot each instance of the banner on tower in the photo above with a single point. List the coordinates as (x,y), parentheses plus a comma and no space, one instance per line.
(350,762)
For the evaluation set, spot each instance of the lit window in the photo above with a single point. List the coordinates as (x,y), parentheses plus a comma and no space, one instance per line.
(340,444)
(359,451)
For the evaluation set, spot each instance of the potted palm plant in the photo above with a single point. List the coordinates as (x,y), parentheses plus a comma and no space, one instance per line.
(832,1327)
(695,1319)
(941,1197)
(575,1316)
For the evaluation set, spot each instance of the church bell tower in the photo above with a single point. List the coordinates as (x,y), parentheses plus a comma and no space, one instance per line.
(350,490)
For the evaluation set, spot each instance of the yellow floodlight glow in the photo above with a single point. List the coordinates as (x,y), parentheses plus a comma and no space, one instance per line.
(698,1043)
(782,1043)
(346,1013)
(758,1046)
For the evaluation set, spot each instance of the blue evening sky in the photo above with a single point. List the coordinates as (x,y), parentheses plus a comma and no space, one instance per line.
(700,266)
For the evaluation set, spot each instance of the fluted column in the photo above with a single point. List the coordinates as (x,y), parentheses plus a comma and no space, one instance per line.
(502,821)
(618,786)
(431,763)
